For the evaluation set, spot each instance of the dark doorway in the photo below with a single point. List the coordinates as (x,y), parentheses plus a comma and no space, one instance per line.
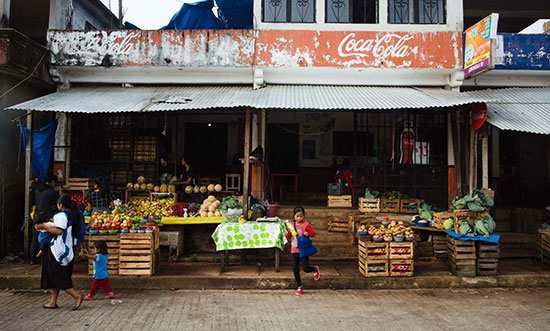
(206,148)
(282,148)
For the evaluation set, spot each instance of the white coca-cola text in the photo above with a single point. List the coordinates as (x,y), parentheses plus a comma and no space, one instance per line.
(387,46)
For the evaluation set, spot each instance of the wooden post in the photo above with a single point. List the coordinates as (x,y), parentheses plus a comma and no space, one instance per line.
(484,157)
(472,180)
(68,147)
(246,162)
(455,127)
(28,174)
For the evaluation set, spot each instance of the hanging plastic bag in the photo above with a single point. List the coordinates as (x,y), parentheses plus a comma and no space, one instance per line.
(232,215)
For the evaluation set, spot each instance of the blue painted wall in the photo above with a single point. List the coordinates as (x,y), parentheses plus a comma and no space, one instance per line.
(525,52)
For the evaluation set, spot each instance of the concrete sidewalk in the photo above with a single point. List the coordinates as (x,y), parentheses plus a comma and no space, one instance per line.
(345,275)
(159,310)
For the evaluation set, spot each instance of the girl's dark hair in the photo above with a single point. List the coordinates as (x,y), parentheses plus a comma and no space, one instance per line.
(70,206)
(40,217)
(299,208)
(102,186)
(101,247)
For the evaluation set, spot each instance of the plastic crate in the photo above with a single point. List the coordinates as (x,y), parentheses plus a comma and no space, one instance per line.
(336,189)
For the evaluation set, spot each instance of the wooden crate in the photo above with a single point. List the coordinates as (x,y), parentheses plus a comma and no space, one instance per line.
(338,224)
(440,246)
(376,268)
(113,250)
(486,250)
(371,251)
(440,217)
(369,205)
(401,250)
(401,268)
(487,267)
(389,205)
(462,268)
(78,184)
(409,206)
(137,254)
(424,249)
(460,249)
(339,201)
(468,215)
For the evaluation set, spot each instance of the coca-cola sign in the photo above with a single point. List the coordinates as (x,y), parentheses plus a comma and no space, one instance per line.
(391,45)
(359,49)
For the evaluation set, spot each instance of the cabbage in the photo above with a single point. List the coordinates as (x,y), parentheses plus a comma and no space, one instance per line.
(449,223)
(425,211)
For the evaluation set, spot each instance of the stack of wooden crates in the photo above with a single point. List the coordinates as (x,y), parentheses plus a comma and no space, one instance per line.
(129,254)
(470,258)
(384,259)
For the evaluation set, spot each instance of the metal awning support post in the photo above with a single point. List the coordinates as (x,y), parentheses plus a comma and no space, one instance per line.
(68,147)
(28,174)
(246,162)
(484,156)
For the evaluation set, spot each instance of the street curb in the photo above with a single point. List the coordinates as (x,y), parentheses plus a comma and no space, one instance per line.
(198,283)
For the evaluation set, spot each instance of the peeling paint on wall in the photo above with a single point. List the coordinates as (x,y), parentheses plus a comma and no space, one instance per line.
(523,52)
(267,48)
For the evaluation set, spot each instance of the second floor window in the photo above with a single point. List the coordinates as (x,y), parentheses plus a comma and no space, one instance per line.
(289,11)
(351,11)
(416,11)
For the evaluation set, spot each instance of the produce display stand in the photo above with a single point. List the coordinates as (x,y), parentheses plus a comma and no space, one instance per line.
(543,246)
(113,249)
(249,235)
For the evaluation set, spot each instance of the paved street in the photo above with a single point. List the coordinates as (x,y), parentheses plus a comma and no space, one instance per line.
(442,309)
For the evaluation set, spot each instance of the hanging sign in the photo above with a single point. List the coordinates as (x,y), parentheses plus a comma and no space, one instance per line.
(479,41)
(479,115)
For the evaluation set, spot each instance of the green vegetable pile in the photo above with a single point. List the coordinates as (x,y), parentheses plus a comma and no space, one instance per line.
(483,227)
(229,202)
(394,195)
(477,201)
(371,194)
(425,211)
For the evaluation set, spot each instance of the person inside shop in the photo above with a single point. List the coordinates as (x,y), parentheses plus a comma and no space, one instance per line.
(101,199)
(344,175)
(46,203)
(57,269)
(187,174)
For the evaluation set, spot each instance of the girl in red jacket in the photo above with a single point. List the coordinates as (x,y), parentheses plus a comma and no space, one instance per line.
(303,228)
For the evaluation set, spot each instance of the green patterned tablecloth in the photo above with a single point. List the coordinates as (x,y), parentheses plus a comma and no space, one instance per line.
(229,235)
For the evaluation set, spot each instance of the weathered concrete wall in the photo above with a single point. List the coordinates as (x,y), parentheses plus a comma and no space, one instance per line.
(247,48)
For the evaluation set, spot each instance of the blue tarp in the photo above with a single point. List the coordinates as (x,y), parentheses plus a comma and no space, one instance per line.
(43,140)
(232,14)
(195,16)
(237,14)
(493,238)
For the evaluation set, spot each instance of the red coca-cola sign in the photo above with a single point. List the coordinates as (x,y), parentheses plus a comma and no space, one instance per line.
(479,115)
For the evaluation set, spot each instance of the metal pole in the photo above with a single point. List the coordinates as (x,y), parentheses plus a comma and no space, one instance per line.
(120,12)
(246,162)
(68,145)
(28,174)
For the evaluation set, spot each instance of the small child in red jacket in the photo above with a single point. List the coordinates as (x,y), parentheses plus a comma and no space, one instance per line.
(302,228)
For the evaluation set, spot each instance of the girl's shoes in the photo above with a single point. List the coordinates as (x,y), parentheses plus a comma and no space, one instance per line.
(316,273)
(88,298)
(109,295)
(299,291)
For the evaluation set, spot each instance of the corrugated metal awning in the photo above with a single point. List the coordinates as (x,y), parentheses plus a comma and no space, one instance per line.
(294,97)
(518,109)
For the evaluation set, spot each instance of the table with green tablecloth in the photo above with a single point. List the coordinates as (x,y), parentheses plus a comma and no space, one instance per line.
(250,235)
